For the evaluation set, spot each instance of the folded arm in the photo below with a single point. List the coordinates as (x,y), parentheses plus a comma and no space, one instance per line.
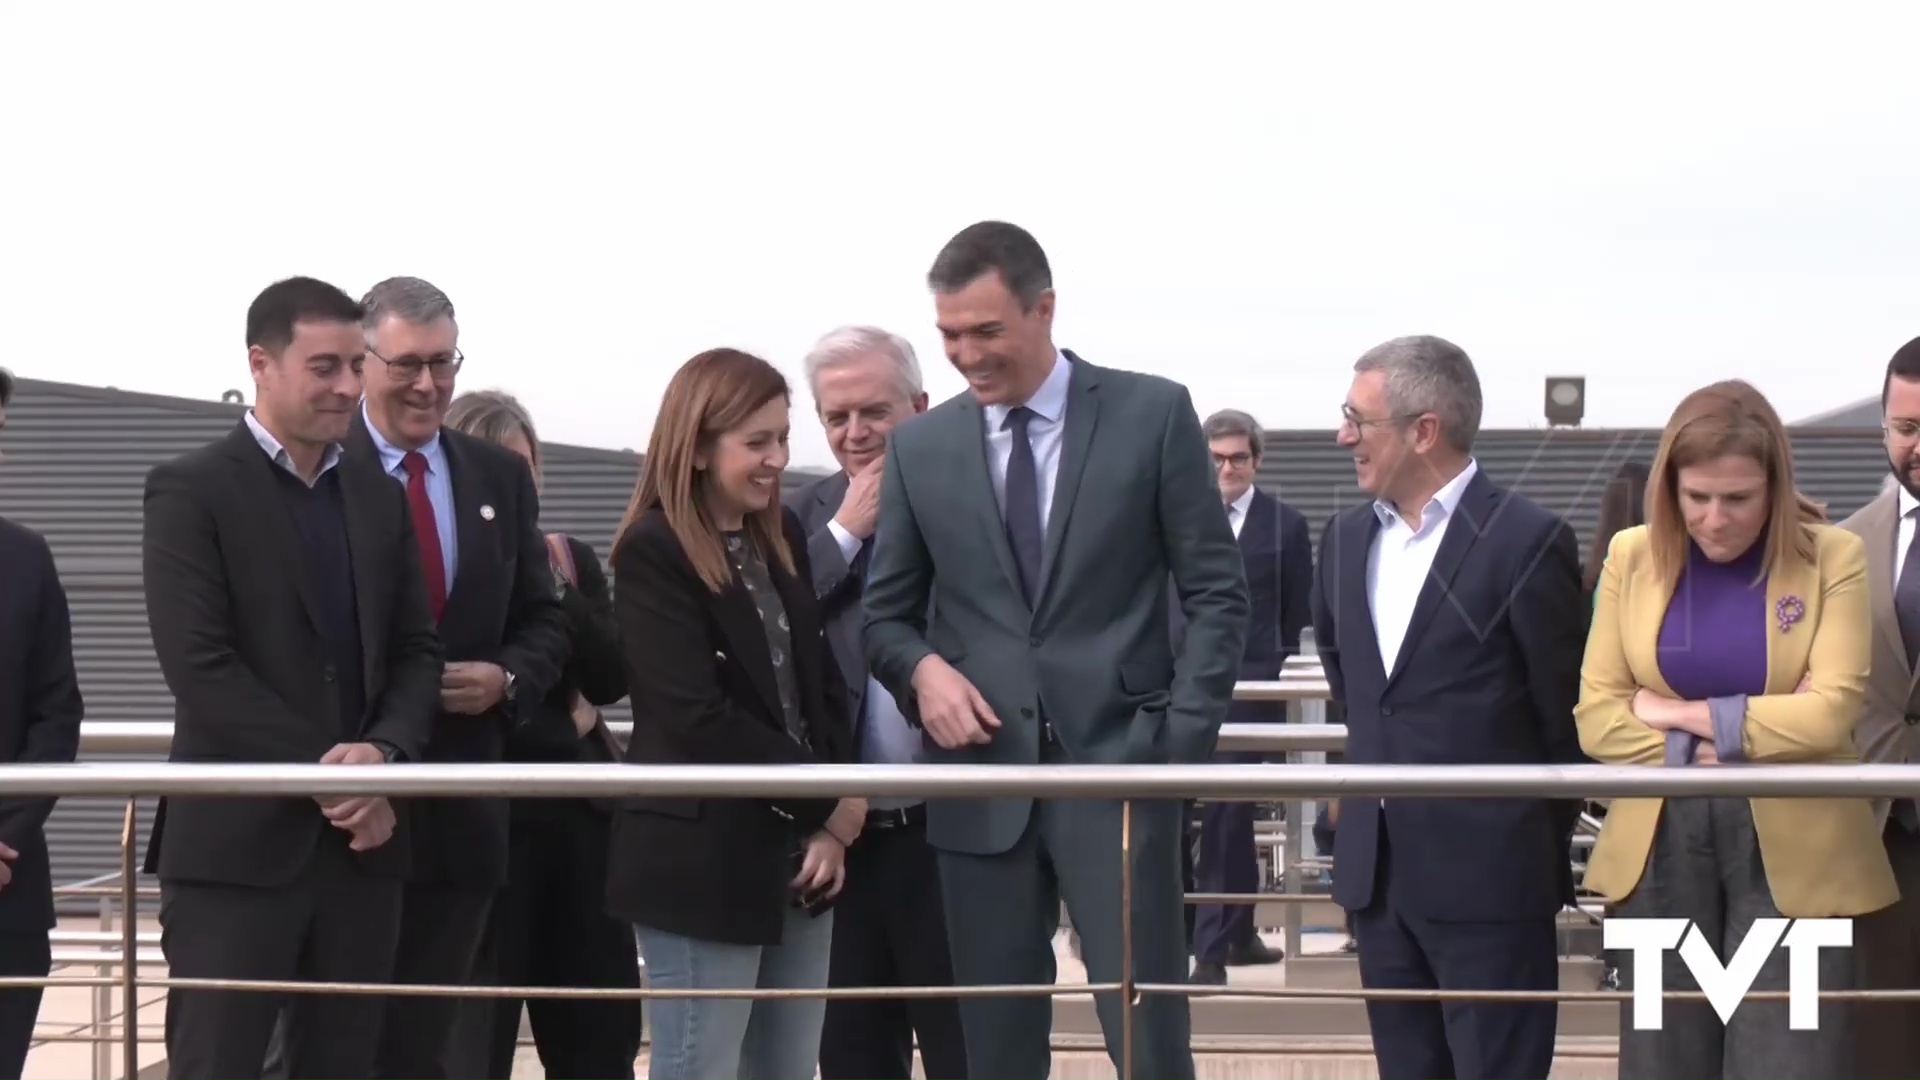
(1609,731)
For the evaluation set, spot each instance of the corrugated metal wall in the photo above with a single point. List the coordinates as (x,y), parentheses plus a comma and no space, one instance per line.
(1565,470)
(76,458)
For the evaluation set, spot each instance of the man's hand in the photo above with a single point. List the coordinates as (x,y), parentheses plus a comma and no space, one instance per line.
(847,820)
(340,808)
(471,687)
(369,822)
(951,710)
(823,869)
(7,855)
(583,715)
(860,508)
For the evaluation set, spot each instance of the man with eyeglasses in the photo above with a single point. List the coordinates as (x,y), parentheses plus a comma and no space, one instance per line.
(1277,551)
(1888,941)
(476,517)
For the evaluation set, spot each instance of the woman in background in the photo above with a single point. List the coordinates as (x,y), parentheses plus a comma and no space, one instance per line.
(549,925)
(728,662)
(1731,627)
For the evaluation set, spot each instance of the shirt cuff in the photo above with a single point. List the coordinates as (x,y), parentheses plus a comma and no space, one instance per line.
(1729,727)
(849,544)
(1680,747)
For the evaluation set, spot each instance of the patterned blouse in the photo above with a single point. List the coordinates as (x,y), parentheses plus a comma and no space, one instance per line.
(773,618)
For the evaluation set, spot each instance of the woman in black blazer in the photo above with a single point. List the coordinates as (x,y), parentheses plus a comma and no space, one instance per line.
(728,663)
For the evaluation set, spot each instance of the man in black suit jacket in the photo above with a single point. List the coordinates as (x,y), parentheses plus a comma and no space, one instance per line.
(1278,553)
(489,585)
(283,592)
(890,927)
(39,724)
(1449,617)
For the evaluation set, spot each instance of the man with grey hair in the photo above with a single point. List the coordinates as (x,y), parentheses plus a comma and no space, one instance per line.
(889,927)
(1449,617)
(485,563)
(1276,549)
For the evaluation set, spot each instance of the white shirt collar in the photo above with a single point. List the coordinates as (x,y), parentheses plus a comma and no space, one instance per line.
(1239,506)
(1445,501)
(1908,504)
(1049,402)
(391,455)
(277,453)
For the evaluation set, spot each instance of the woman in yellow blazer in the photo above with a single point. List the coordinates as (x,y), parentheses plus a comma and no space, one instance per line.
(1731,627)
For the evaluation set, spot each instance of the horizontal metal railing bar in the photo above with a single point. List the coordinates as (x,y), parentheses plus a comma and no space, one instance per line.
(644,993)
(1134,782)
(1290,993)
(138,737)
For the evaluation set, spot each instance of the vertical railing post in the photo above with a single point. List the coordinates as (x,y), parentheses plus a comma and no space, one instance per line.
(103,1001)
(1126,939)
(129,949)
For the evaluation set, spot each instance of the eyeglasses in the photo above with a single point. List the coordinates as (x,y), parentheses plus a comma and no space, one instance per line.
(1239,461)
(1901,430)
(1349,418)
(408,368)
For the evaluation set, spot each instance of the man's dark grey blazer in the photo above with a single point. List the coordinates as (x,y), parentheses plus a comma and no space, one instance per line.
(1134,501)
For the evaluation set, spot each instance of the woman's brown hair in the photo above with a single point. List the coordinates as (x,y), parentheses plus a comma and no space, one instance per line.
(710,395)
(1728,418)
(1623,504)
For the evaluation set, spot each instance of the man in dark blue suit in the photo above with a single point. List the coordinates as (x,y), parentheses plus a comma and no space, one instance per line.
(1278,553)
(1449,617)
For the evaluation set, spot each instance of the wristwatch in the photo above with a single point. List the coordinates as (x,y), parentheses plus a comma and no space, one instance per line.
(506,692)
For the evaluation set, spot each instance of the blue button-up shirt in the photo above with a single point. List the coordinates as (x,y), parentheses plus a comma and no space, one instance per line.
(439,487)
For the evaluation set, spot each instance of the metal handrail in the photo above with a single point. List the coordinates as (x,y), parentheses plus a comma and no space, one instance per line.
(1219,782)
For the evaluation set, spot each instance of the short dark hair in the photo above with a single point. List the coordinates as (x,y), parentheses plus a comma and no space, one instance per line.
(271,316)
(990,247)
(1905,364)
(6,387)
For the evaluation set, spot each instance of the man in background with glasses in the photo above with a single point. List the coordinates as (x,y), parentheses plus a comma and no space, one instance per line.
(476,517)
(1888,941)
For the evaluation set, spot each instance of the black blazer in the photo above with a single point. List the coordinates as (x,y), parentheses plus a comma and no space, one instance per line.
(1487,674)
(595,668)
(703,692)
(1276,549)
(236,632)
(40,712)
(501,608)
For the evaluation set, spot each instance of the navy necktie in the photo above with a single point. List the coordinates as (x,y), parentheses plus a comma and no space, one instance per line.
(1906,599)
(1023,503)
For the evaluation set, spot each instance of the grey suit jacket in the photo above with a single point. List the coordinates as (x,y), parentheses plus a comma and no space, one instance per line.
(833,581)
(1134,501)
(1886,733)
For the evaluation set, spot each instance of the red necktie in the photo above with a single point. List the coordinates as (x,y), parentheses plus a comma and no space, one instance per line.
(426,529)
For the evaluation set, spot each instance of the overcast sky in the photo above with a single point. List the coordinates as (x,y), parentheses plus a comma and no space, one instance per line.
(1244,197)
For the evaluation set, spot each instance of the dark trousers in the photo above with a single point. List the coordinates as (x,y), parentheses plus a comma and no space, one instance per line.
(1887,946)
(1189,880)
(1225,863)
(332,924)
(1454,1040)
(889,929)
(440,930)
(550,927)
(1705,866)
(22,956)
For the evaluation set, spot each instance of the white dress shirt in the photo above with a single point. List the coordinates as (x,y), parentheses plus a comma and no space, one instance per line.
(1049,405)
(1903,533)
(1402,557)
(1237,511)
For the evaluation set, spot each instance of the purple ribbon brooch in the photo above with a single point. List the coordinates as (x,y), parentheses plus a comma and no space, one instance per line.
(1789,610)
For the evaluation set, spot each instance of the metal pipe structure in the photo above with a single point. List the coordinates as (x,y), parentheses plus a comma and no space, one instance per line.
(1220,782)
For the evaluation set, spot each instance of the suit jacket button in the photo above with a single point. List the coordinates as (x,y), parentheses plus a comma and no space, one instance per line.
(1912,719)
(1386,710)
(1034,641)
(328,673)
(1026,714)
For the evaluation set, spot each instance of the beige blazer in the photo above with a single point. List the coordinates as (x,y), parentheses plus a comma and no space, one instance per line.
(1823,857)
(1886,733)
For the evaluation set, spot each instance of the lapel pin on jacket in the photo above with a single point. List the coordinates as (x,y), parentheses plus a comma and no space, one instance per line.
(486,513)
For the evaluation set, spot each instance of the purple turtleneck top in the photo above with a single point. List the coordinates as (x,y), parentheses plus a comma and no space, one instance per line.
(1713,645)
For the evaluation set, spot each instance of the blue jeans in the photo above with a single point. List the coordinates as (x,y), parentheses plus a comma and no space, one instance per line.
(735,1038)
